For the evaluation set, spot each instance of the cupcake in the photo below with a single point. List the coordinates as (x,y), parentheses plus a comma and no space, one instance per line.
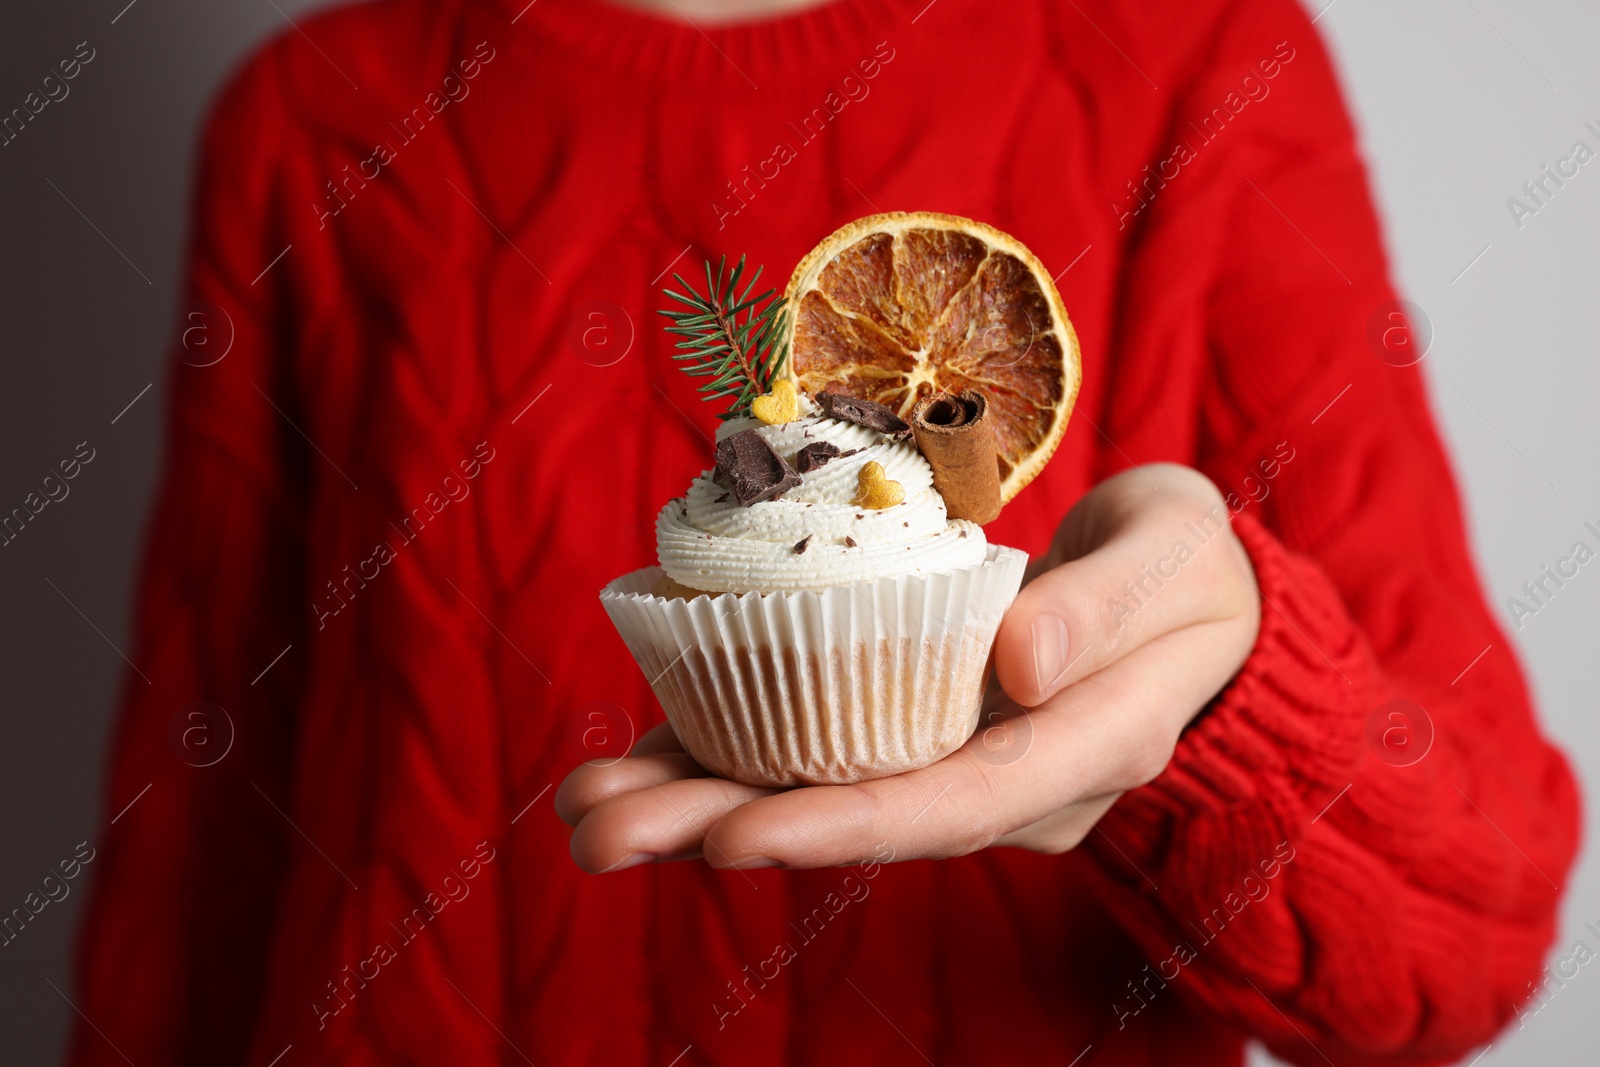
(826,599)
(816,617)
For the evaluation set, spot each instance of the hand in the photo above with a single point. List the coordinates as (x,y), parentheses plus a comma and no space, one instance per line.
(1144,608)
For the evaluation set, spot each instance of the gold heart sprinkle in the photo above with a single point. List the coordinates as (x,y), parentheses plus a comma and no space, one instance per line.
(878,491)
(779,406)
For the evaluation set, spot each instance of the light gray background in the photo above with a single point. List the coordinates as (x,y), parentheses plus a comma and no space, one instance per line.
(1460,102)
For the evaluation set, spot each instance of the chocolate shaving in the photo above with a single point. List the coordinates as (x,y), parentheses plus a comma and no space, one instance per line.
(753,471)
(800,545)
(720,499)
(873,416)
(850,541)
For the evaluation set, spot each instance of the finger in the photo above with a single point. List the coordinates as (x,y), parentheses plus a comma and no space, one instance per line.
(659,822)
(656,758)
(1104,735)
(1062,830)
(594,783)
(1160,561)
(659,738)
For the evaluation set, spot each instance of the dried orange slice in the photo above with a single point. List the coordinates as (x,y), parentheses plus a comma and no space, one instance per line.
(894,307)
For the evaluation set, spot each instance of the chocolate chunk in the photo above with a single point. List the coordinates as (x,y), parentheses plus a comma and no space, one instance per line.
(850,541)
(815,455)
(800,545)
(866,413)
(754,472)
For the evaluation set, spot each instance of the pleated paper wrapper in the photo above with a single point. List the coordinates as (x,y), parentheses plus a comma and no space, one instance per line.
(842,685)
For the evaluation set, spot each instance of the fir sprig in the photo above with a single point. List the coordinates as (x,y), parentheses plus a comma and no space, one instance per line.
(736,340)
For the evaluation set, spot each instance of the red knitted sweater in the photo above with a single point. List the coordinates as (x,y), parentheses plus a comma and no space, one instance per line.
(387,511)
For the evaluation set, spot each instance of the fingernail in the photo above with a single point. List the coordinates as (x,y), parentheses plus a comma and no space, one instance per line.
(752,863)
(1049,651)
(631,861)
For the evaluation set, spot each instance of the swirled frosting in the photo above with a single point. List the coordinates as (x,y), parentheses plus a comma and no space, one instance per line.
(707,541)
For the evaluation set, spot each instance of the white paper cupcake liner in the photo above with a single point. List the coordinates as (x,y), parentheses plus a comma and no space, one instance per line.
(842,685)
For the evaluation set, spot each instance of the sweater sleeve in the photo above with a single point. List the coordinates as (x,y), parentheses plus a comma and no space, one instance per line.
(1350,879)
(173,948)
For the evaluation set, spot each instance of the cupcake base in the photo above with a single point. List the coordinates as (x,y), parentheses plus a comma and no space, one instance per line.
(814,688)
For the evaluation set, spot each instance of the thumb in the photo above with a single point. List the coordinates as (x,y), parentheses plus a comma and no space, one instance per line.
(1154,559)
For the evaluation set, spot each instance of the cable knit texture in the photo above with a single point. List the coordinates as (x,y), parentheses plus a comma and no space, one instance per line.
(387,512)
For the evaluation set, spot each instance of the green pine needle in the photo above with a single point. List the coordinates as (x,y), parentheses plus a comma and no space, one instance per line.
(729,336)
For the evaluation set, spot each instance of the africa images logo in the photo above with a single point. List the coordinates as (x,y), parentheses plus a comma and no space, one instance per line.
(1542,188)
(1253,88)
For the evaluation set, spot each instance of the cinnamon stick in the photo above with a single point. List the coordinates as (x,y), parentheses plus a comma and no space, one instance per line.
(956,436)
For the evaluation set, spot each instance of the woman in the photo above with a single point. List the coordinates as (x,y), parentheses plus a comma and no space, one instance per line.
(388,509)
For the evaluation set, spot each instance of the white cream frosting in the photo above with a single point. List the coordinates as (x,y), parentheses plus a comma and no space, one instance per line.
(725,548)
